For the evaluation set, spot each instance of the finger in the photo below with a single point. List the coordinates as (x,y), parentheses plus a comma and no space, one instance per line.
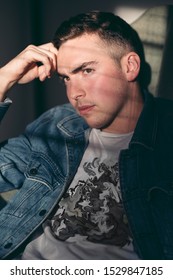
(30,75)
(26,66)
(42,75)
(51,51)
(42,55)
(50,47)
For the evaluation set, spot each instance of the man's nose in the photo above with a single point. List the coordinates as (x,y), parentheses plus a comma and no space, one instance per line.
(75,90)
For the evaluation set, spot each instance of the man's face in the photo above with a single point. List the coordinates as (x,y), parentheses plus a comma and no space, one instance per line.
(96,86)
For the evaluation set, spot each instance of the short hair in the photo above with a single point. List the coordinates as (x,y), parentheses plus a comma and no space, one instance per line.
(111,29)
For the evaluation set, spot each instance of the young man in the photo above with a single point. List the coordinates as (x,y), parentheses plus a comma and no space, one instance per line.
(93,177)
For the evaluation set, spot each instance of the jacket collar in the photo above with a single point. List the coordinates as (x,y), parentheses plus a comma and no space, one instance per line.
(145,132)
(146,128)
(72,124)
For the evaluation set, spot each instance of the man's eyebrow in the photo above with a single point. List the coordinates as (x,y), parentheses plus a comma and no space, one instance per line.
(82,66)
(79,68)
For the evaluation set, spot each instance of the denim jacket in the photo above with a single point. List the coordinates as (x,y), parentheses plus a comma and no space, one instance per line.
(41,163)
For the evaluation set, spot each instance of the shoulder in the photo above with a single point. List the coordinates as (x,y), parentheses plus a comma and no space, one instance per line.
(55,114)
(164,107)
(160,105)
(58,116)
(164,104)
(59,112)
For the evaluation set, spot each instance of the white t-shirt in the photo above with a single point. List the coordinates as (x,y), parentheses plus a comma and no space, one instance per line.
(90,222)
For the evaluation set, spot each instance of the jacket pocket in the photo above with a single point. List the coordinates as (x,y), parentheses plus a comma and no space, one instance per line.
(160,199)
(38,189)
(42,169)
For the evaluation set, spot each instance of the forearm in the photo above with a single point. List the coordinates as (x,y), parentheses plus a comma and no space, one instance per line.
(33,62)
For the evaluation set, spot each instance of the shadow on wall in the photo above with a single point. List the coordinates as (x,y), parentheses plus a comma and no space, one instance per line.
(156,29)
(154,26)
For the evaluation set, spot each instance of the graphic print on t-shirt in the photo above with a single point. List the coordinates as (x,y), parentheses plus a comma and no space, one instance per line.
(92,207)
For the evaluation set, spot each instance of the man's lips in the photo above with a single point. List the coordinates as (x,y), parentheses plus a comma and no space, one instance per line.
(84,109)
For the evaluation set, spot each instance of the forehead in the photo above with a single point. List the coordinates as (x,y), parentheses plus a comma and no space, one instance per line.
(88,46)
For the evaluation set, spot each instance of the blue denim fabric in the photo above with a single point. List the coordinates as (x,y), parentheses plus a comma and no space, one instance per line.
(42,162)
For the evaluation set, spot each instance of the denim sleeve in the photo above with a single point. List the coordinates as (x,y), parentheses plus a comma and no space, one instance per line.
(14,154)
(17,153)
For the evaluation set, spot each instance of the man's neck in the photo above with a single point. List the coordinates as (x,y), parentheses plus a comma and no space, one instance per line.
(126,120)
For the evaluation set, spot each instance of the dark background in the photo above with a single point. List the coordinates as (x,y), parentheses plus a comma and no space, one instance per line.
(24,22)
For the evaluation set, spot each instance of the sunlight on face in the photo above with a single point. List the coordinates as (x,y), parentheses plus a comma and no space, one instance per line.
(96,85)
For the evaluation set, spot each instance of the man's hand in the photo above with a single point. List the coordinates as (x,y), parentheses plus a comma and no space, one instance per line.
(37,62)
(33,62)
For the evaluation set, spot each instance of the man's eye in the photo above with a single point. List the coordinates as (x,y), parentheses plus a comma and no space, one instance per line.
(66,79)
(88,70)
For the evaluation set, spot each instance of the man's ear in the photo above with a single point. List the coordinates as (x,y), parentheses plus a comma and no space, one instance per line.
(130,64)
